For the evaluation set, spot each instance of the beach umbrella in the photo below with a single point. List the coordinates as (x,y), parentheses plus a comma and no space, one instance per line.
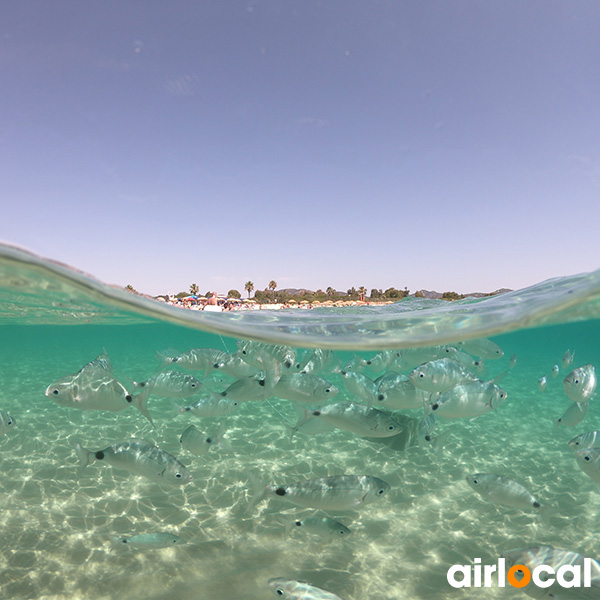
(292,301)
(303,301)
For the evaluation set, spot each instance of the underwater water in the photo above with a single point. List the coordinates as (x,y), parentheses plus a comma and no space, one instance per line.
(58,522)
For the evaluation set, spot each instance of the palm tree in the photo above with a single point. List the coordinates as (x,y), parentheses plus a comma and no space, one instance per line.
(330,292)
(272,286)
(362,291)
(249,287)
(194,289)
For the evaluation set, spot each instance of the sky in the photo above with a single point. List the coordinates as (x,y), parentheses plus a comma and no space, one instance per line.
(447,145)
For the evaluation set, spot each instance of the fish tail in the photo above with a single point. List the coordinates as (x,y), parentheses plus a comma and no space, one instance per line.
(139,402)
(85,456)
(257,491)
(302,420)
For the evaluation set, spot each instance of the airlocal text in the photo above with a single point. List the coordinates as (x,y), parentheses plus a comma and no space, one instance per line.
(478,575)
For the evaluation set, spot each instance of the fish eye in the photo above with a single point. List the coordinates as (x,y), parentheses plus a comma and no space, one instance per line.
(327,390)
(178,475)
(9,422)
(209,440)
(341,532)
(475,481)
(427,438)
(587,458)
(391,428)
(576,381)
(421,375)
(55,392)
(381,397)
(279,591)
(380,492)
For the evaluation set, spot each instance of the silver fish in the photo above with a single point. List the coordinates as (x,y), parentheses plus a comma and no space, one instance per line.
(399,392)
(554,558)
(138,457)
(198,443)
(197,359)
(211,406)
(315,361)
(6,422)
(542,383)
(299,590)
(356,418)
(470,399)
(235,366)
(340,492)
(502,490)
(384,361)
(580,384)
(482,348)
(588,460)
(304,387)
(171,384)
(591,439)
(94,387)
(148,541)
(323,526)
(574,415)
(567,359)
(360,386)
(440,375)
(246,389)
(412,357)
(555,370)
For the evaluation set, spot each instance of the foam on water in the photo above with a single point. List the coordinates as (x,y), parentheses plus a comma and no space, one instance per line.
(57,528)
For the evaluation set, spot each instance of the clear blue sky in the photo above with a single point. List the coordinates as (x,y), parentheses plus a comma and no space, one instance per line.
(439,145)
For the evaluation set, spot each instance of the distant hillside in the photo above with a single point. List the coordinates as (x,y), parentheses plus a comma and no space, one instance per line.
(432,294)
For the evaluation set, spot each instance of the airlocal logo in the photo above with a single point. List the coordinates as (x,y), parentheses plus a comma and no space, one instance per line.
(567,576)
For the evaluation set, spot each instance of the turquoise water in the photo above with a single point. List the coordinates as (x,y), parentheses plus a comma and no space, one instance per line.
(57,525)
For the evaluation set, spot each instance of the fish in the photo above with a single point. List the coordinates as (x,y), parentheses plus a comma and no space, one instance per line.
(304,387)
(555,370)
(171,384)
(591,439)
(6,422)
(246,389)
(580,384)
(574,415)
(554,558)
(512,363)
(482,348)
(211,406)
(413,357)
(291,589)
(197,359)
(439,375)
(94,387)
(399,392)
(336,493)
(467,400)
(542,383)
(315,361)
(384,361)
(235,366)
(198,443)
(138,457)
(567,359)
(286,355)
(361,387)
(588,460)
(323,526)
(148,541)
(502,490)
(425,428)
(356,418)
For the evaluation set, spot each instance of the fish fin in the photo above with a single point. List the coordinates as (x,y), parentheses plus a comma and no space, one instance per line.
(258,491)
(139,402)
(302,420)
(499,377)
(164,356)
(439,442)
(84,456)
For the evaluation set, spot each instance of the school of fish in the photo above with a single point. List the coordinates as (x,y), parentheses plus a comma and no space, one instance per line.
(360,397)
